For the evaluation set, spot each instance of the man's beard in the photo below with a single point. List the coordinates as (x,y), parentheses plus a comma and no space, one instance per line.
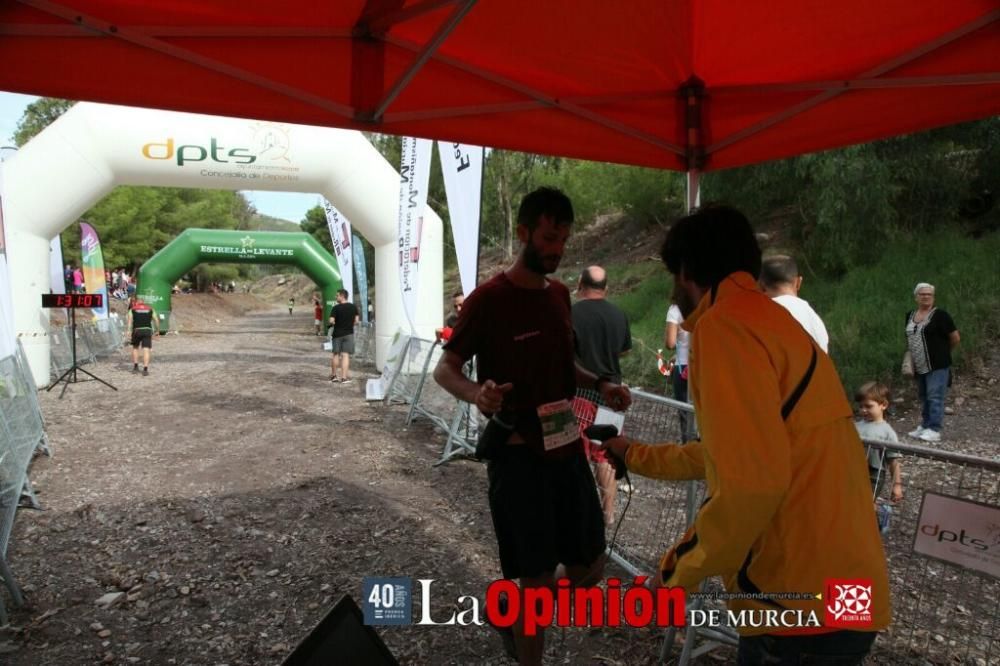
(537,263)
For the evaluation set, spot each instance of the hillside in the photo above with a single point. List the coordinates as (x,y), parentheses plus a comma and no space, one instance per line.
(863,310)
(261,222)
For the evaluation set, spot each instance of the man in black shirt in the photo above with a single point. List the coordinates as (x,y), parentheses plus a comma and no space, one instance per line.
(343,319)
(141,321)
(602,331)
(602,337)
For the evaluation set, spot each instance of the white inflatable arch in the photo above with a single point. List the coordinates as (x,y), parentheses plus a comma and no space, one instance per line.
(93,148)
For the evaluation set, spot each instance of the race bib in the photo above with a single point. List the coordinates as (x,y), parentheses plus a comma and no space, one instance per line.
(559,426)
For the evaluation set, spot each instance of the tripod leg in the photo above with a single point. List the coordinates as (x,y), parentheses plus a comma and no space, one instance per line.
(61,377)
(93,376)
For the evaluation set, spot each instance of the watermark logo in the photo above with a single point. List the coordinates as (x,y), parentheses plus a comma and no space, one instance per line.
(848,603)
(386,601)
(616,604)
(612,606)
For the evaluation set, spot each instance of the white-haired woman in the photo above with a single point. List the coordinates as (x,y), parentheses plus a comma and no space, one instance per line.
(930,336)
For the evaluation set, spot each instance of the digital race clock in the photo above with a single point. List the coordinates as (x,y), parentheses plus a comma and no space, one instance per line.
(72,300)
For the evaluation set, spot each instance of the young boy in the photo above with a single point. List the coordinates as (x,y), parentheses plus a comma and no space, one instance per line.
(291,304)
(873,400)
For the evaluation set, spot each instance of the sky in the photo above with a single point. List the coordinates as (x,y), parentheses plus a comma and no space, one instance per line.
(291,206)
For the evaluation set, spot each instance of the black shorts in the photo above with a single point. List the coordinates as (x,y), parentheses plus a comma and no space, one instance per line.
(545,513)
(142,338)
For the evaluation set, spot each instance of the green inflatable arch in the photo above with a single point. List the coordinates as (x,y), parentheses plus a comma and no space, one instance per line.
(199,246)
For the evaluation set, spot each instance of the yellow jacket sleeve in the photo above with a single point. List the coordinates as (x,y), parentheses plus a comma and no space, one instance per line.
(746,452)
(672,462)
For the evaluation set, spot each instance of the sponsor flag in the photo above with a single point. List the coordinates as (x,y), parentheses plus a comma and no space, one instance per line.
(93,267)
(414,174)
(56,276)
(8,341)
(360,275)
(340,236)
(462,166)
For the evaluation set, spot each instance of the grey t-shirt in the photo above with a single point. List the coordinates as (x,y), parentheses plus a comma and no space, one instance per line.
(879,432)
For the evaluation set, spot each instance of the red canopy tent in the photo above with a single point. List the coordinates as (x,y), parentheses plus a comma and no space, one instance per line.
(676,84)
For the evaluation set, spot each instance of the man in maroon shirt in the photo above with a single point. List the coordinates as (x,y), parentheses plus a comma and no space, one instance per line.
(544,503)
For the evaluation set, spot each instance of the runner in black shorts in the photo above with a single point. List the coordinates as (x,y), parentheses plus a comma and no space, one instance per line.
(141,321)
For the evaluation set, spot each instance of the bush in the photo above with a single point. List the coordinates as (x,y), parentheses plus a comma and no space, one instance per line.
(865,310)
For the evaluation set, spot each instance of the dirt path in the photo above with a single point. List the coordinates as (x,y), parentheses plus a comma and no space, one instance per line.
(233,496)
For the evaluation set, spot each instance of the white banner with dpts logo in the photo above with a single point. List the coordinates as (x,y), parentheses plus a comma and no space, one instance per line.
(959,531)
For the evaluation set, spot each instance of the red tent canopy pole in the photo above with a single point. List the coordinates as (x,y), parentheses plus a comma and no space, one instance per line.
(692,95)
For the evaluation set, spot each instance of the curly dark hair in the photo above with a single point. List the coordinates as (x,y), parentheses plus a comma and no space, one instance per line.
(711,243)
(548,202)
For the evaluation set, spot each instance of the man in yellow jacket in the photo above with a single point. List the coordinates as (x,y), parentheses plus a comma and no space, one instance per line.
(788,506)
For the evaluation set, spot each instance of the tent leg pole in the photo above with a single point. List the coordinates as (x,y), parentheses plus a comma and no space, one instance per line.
(693,189)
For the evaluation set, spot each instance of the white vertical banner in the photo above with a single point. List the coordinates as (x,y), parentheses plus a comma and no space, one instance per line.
(56,277)
(414,175)
(462,166)
(8,341)
(340,236)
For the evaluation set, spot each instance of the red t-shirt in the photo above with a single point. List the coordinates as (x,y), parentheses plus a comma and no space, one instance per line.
(523,336)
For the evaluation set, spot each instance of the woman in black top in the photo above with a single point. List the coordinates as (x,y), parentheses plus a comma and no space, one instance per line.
(930,336)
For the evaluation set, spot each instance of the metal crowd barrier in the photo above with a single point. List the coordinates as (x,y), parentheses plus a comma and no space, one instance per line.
(409,371)
(22,430)
(95,339)
(942,612)
(658,511)
(364,343)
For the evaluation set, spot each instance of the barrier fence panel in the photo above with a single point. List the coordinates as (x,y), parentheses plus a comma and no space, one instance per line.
(21,429)
(426,384)
(364,344)
(410,371)
(88,334)
(93,340)
(943,612)
(105,336)
(84,352)
(60,352)
(465,424)
(32,389)
(657,510)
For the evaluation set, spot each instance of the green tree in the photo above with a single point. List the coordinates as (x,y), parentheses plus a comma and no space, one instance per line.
(509,175)
(37,116)
(314,224)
